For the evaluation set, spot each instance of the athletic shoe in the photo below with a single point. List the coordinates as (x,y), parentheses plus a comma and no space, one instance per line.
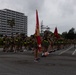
(37,59)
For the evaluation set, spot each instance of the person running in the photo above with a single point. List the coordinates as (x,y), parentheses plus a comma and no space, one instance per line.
(12,44)
(45,44)
(6,43)
(50,40)
(16,42)
(35,48)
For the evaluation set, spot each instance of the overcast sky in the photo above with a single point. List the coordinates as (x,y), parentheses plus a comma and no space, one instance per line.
(60,13)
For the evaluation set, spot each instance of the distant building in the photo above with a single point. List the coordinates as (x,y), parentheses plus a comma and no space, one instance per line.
(20,22)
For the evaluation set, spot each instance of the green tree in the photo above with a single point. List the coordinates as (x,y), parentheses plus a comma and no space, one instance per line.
(71,34)
(64,35)
(11,23)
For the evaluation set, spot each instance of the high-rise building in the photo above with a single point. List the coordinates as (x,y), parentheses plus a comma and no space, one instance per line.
(20,22)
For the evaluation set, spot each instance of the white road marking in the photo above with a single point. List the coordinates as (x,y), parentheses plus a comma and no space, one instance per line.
(65,50)
(74,52)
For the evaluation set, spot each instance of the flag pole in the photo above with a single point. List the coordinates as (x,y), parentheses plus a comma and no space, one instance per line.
(38,38)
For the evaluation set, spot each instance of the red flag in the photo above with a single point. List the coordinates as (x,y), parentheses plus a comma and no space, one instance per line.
(56,33)
(37,32)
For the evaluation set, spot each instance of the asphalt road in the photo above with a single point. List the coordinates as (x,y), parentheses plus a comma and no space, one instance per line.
(61,62)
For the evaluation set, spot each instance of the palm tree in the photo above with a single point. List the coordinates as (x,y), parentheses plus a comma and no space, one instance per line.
(11,23)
